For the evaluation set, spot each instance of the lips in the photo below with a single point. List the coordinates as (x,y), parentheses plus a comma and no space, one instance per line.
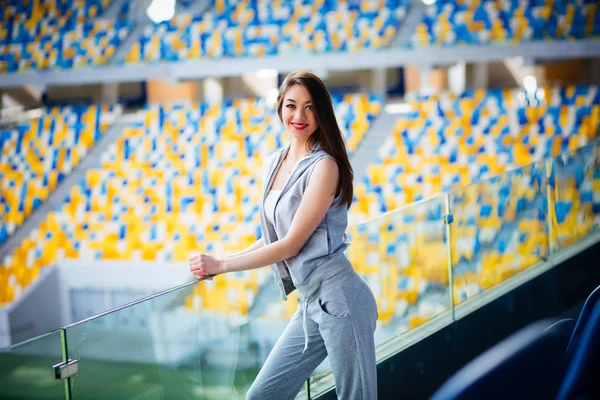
(298,127)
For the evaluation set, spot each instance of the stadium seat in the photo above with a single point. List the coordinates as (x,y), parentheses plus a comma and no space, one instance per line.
(581,379)
(582,321)
(563,329)
(528,364)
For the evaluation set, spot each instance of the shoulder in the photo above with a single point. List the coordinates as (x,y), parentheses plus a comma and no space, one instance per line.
(326,171)
(326,163)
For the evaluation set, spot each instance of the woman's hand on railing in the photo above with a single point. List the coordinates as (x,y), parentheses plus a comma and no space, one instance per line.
(205,265)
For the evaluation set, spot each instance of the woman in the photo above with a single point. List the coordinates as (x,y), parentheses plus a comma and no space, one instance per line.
(307,191)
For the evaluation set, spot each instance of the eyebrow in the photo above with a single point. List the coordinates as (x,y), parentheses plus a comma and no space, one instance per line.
(293,101)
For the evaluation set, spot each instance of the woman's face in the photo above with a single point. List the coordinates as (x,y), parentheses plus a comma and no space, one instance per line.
(298,112)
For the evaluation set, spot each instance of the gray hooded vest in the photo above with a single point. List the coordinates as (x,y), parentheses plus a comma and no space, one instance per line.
(327,241)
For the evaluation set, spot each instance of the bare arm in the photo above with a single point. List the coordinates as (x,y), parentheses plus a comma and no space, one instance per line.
(317,199)
(254,246)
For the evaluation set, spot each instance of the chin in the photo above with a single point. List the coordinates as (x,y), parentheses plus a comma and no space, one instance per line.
(303,134)
(299,136)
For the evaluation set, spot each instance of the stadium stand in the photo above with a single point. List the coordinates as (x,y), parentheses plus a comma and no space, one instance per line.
(449,140)
(498,229)
(48,34)
(69,34)
(499,222)
(147,204)
(240,28)
(410,289)
(449,22)
(36,155)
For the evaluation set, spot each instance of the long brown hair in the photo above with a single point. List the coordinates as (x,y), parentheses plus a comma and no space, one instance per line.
(328,132)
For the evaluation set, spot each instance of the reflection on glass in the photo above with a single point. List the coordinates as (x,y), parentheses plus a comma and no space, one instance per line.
(403,256)
(575,195)
(499,229)
(169,346)
(26,369)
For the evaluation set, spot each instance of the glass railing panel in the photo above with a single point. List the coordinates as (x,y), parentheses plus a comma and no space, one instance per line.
(189,342)
(575,195)
(403,256)
(26,369)
(499,229)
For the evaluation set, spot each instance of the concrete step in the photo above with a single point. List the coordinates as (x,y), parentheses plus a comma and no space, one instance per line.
(408,27)
(369,147)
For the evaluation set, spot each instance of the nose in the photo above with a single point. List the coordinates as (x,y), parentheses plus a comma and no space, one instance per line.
(299,114)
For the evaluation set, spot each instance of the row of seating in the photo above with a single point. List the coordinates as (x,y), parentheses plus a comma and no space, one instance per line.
(35,157)
(451,140)
(49,35)
(499,225)
(403,258)
(46,34)
(239,28)
(499,228)
(182,177)
(575,183)
(502,226)
(86,44)
(449,22)
(61,11)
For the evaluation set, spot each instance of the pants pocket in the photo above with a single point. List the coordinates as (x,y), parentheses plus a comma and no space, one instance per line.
(333,304)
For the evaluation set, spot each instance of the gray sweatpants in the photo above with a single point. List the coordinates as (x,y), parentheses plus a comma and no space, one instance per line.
(339,321)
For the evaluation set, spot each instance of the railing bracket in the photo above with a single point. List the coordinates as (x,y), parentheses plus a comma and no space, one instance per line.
(448,219)
(65,370)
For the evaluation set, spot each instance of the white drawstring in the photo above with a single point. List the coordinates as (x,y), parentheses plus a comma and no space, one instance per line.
(304,311)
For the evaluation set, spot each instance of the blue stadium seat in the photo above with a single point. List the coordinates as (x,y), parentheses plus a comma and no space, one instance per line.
(581,380)
(529,364)
(582,321)
(563,329)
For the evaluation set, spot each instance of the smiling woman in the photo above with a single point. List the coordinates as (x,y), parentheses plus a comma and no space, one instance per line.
(307,191)
(297,113)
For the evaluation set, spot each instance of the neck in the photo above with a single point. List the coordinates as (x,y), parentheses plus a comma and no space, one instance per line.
(297,150)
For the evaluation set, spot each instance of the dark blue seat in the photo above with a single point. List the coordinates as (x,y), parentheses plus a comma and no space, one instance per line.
(528,364)
(582,377)
(563,330)
(582,321)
